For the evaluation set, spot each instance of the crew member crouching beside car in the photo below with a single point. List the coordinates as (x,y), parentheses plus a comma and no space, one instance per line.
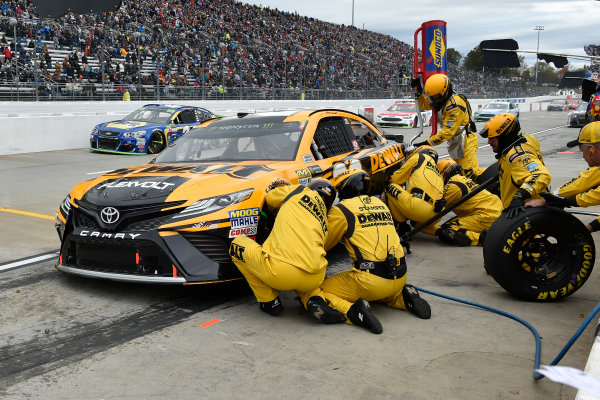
(293,256)
(424,188)
(521,168)
(378,271)
(474,216)
(583,191)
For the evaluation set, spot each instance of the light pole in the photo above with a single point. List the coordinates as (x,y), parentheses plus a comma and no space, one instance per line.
(139,60)
(13,22)
(538,28)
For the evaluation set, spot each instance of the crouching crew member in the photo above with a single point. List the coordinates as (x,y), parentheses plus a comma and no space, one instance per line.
(583,191)
(521,168)
(424,187)
(293,256)
(378,273)
(474,216)
(457,127)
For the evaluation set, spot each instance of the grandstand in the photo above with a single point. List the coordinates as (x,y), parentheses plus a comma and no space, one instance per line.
(201,49)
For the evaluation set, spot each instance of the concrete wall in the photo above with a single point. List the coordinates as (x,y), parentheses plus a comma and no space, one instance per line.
(28,127)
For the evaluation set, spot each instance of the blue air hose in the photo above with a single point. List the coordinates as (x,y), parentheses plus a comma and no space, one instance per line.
(536,375)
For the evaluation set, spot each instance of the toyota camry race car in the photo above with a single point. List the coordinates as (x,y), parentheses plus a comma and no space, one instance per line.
(147,130)
(402,113)
(171,220)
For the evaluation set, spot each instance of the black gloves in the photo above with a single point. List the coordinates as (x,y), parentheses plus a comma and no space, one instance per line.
(439,205)
(419,144)
(517,205)
(559,201)
(416,85)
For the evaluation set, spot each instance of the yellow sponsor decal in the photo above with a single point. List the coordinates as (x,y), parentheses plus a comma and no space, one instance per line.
(125,125)
(437,48)
(390,156)
(303,173)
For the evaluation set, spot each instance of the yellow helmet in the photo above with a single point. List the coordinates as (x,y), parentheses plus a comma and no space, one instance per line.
(504,124)
(448,167)
(438,89)
(426,149)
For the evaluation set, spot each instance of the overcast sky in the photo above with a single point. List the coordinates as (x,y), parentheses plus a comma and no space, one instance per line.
(568,25)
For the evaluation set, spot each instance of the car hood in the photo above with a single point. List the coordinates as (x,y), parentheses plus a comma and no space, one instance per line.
(154,183)
(124,126)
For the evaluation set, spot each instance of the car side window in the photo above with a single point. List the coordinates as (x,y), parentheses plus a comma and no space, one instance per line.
(363,135)
(186,117)
(331,138)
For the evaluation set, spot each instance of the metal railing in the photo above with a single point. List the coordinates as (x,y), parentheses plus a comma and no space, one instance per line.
(52,91)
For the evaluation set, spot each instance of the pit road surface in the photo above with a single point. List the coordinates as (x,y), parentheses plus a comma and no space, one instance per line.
(64,337)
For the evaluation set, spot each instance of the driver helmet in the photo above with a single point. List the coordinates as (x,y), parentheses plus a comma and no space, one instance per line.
(438,89)
(448,167)
(325,190)
(426,149)
(351,183)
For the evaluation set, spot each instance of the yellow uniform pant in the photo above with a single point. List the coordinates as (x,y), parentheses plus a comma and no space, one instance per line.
(343,289)
(469,162)
(266,275)
(408,207)
(472,224)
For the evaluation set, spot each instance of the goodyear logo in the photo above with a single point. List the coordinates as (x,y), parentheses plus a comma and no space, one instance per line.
(390,156)
(437,48)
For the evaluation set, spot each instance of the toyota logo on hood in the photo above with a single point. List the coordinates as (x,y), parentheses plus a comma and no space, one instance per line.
(109,215)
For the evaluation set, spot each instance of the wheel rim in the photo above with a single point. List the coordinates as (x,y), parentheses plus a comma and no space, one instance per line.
(543,259)
(156,143)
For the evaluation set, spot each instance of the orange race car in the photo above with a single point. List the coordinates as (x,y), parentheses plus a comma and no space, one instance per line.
(171,220)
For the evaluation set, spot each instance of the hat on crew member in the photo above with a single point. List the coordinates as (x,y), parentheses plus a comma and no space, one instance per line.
(588,134)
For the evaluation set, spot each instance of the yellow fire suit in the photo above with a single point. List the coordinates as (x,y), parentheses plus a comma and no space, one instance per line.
(586,189)
(522,167)
(455,129)
(365,224)
(424,186)
(293,256)
(474,215)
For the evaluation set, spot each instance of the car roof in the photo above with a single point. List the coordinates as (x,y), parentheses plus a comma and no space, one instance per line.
(175,106)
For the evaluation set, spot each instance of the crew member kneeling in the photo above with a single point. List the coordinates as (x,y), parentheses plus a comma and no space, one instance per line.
(474,216)
(379,271)
(293,256)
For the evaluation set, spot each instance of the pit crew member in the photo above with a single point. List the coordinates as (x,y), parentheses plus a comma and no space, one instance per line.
(424,187)
(454,117)
(521,168)
(293,255)
(474,216)
(378,272)
(583,191)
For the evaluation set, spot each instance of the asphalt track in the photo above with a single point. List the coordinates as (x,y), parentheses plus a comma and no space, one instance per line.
(64,337)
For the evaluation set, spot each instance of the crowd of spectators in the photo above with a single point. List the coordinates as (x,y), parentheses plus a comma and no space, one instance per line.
(216,44)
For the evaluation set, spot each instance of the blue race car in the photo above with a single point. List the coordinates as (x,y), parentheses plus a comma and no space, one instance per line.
(147,130)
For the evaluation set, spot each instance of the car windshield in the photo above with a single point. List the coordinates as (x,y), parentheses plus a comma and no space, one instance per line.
(402,107)
(151,114)
(496,106)
(256,138)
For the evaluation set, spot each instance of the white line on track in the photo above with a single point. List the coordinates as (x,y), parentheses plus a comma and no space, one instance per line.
(28,261)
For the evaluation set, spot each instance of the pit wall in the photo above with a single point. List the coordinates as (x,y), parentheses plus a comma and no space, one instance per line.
(29,127)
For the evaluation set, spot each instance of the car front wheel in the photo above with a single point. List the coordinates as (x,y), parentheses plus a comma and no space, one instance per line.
(156,143)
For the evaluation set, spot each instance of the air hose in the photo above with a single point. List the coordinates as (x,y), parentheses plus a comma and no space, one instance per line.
(536,375)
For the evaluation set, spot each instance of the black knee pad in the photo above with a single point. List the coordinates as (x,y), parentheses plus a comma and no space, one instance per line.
(454,237)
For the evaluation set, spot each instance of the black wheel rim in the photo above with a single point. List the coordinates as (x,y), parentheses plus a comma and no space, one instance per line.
(544,258)
(156,143)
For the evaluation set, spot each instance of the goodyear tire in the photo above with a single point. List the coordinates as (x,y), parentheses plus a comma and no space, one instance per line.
(543,255)
(156,143)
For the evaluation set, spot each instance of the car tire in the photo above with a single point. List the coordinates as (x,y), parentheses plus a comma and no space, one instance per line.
(544,255)
(416,122)
(156,143)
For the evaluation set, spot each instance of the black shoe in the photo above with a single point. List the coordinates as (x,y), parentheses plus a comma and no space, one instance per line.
(360,314)
(414,303)
(482,237)
(402,227)
(273,307)
(318,309)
